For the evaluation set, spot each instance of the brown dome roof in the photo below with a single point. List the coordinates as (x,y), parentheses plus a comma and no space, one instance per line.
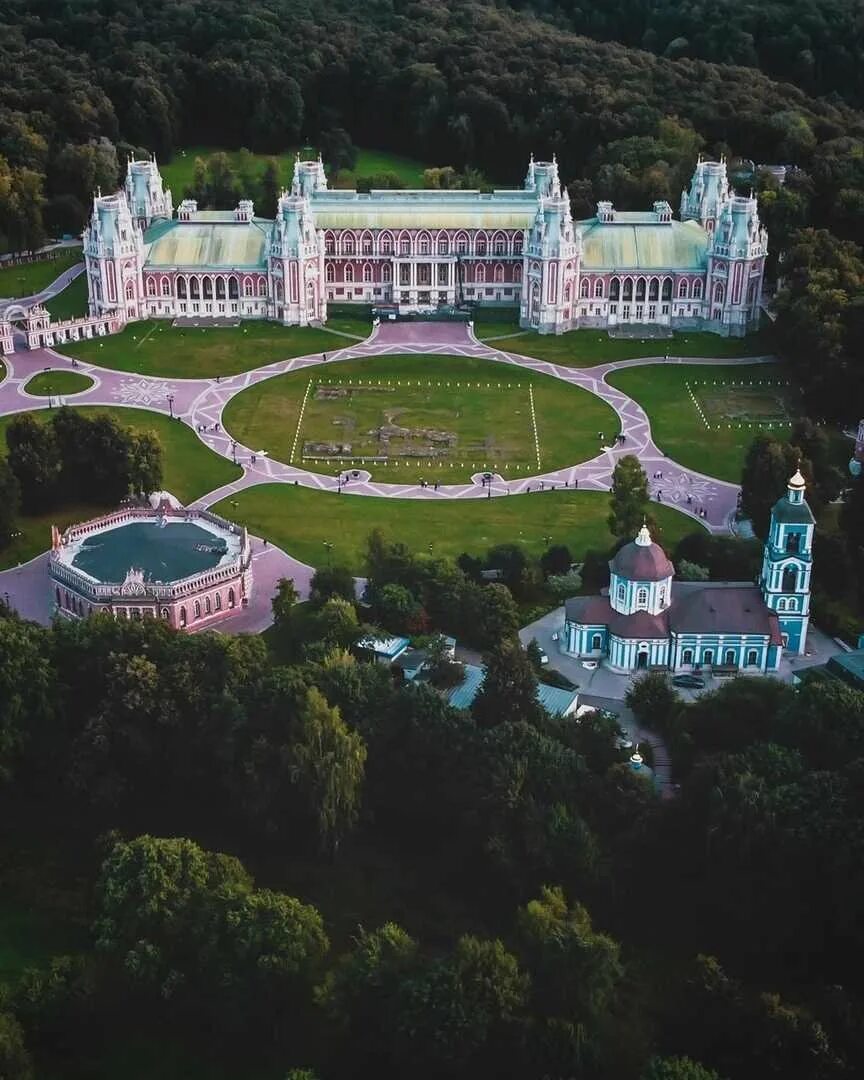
(642,560)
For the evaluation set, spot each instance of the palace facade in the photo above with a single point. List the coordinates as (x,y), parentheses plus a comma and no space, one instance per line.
(648,621)
(413,251)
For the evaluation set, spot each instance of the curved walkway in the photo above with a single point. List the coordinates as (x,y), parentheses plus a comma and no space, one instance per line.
(200,403)
(56,286)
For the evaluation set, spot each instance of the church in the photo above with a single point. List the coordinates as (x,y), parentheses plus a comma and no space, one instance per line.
(647,621)
(411,252)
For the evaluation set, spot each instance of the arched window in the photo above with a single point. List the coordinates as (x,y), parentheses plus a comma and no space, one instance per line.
(752,658)
(366,243)
(641,597)
(628,289)
(583,288)
(682,289)
(517,273)
(729,656)
(197,609)
(443,244)
(781,604)
(667,289)
(793,543)
(687,656)
(347,243)
(329,272)
(480,272)
(424,243)
(697,290)
(232,288)
(207,608)
(386,243)
(598,290)
(130,290)
(329,245)
(499,273)
(568,289)
(217,600)
(596,642)
(247,286)
(790,579)
(792,604)
(462,244)
(262,286)
(661,595)
(207,288)
(279,291)
(640,289)
(708,656)
(181,288)
(164,613)
(622,592)
(404,244)
(166,286)
(231,600)
(719,293)
(615,289)
(654,290)
(480,244)
(387,273)
(220,288)
(194,288)
(499,244)
(151,287)
(751,293)
(182,616)
(349,273)
(517,244)
(367,272)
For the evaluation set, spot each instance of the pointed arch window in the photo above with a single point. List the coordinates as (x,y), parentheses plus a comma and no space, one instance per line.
(682,290)
(584,288)
(697,290)
(598,290)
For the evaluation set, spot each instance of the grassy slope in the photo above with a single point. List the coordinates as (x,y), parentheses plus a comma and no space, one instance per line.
(584,348)
(568,418)
(300,520)
(72,302)
(190,470)
(178,172)
(675,423)
(47,383)
(155,347)
(33,277)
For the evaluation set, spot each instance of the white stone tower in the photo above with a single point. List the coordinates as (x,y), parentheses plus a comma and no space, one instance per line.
(296,263)
(147,197)
(551,255)
(708,194)
(736,267)
(114,257)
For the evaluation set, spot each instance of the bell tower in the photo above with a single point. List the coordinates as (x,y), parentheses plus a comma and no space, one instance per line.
(787,564)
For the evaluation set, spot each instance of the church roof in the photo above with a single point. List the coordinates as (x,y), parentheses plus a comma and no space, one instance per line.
(637,241)
(219,244)
(722,610)
(789,513)
(642,561)
(597,611)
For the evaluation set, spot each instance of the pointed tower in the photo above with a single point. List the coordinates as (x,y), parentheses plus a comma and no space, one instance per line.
(787,564)
(736,267)
(114,258)
(551,257)
(147,197)
(296,261)
(708,194)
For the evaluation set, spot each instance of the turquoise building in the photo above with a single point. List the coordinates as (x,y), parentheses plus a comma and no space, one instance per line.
(649,621)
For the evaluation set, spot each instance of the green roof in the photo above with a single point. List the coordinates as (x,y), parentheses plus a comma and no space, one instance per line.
(789,513)
(240,245)
(640,245)
(424,210)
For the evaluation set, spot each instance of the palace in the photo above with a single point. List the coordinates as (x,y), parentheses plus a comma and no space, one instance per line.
(646,621)
(414,251)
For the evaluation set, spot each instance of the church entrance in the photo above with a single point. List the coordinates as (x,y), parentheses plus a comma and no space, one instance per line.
(641,661)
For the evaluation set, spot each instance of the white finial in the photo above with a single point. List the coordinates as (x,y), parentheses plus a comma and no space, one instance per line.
(797,481)
(643,538)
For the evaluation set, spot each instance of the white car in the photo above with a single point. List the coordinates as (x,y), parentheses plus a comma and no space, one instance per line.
(544,658)
(590,665)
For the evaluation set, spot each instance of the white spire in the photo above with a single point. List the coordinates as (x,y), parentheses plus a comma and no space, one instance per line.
(643,538)
(797,481)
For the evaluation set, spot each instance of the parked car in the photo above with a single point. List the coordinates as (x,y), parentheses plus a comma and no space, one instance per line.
(590,665)
(544,658)
(689,682)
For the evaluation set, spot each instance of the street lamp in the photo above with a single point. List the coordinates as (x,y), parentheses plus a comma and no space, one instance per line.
(171,405)
(329,547)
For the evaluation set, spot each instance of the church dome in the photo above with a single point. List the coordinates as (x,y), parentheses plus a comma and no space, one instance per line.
(642,560)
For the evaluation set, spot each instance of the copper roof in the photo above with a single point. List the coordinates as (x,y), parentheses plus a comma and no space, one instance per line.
(642,562)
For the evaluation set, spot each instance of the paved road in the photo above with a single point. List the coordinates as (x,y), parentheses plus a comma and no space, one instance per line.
(57,285)
(200,403)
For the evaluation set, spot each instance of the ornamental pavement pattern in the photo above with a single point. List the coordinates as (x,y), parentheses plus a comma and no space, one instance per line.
(200,403)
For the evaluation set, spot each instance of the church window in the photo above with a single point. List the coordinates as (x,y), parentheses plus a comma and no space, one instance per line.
(232,288)
(329,272)
(752,657)
(697,290)
(386,273)
(661,595)
(598,290)
(499,273)
(682,290)
(151,287)
(687,657)
(480,273)
(165,286)
(654,290)
(667,289)
(583,288)
(790,579)
(793,542)
(641,598)
(791,604)
(730,657)
(708,656)
(640,289)
(596,641)
(622,592)
(461,244)
(279,291)
(349,273)
(628,289)
(220,288)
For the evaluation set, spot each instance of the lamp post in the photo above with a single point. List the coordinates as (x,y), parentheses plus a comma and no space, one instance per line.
(329,547)
(234,451)
(171,406)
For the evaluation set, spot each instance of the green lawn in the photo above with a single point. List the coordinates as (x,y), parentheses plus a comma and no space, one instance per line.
(178,172)
(353,319)
(31,278)
(155,347)
(677,425)
(584,348)
(492,322)
(72,302)
(301,520)
(190,470)
(53,383)
(486,407)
